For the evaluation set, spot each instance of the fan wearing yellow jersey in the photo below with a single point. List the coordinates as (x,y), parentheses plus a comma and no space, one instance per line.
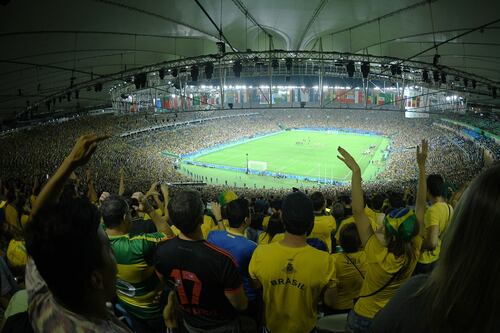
(388,267)
(292,274)
(436,221)
(324,224)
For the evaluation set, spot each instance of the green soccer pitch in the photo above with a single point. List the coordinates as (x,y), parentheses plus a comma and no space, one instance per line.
(305,153)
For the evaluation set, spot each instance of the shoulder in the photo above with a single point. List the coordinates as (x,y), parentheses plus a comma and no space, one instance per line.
(214,234)
(217,253)
(167,244)
(149,237)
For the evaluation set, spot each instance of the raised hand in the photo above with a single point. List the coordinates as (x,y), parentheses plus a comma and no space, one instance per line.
(152,190)
(216,210)
(422,152)
(84,147)
(348,159)
(164,190)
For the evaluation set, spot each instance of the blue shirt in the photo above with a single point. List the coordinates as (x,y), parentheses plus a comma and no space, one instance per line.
(241,249)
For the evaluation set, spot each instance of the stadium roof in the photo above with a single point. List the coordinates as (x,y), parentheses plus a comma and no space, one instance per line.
(46,43)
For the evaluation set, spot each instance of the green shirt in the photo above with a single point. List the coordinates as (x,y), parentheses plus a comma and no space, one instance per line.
(137,282)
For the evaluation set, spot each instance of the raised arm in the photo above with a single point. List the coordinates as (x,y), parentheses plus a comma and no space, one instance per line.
(84,147)
(358,208)
(160,224)
(422,152)
(121,188)
(166,198)
(216,209)
(91,193)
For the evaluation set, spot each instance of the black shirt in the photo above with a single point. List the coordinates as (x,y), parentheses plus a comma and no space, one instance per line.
(140,226)
(202,272)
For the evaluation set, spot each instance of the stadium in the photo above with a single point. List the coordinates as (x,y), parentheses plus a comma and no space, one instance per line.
(249,166)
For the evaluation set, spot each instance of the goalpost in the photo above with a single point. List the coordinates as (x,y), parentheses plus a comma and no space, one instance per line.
(257,165)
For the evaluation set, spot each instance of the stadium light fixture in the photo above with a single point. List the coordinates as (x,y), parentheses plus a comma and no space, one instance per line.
(350,68)
(435,75)
(425,76)
(365,69)
(237,68)
(209,70)
(194,72)
(443,77)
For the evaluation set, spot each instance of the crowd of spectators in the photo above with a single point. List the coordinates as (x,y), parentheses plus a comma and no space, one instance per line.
(39,150)
(161,259)
(92,242)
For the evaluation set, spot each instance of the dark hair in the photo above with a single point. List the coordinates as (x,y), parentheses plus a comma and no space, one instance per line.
(298,214)
(275,226)
(237,210)
(396,200)
(276,204)
(376,202)
(113,210)
(466,278)
(349,238)
(338,211)
(318,200)
(345,199)
(256,221)
(63,241)
(186,210)
(435,185)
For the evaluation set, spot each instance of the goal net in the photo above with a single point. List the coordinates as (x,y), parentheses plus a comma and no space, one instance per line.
(257,165)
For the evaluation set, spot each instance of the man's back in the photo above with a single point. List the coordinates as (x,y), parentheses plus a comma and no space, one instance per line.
(292,279)
(241,249)
(439,214)
(136,280)
(203,274)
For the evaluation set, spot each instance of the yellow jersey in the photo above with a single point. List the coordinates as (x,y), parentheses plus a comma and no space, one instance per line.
(265,222)
(438,214)
(324,226)
(12,216)
(208,225)
(264,238)
(158,212)
(349,279)
(381,265)
(16,253)
(292,280)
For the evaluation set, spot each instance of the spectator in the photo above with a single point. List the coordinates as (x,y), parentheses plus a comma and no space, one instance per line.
(461,294)
(274,232)
(209,286)
(137,283)
(324,224)
(71,272)
(275,208)
(350,267)
(388,267)
(436,220)
(292,274)
(235,243)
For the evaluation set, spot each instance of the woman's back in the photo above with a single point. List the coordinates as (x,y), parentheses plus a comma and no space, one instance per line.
(350,269)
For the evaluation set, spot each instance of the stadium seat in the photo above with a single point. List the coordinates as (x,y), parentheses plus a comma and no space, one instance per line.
(332,324)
